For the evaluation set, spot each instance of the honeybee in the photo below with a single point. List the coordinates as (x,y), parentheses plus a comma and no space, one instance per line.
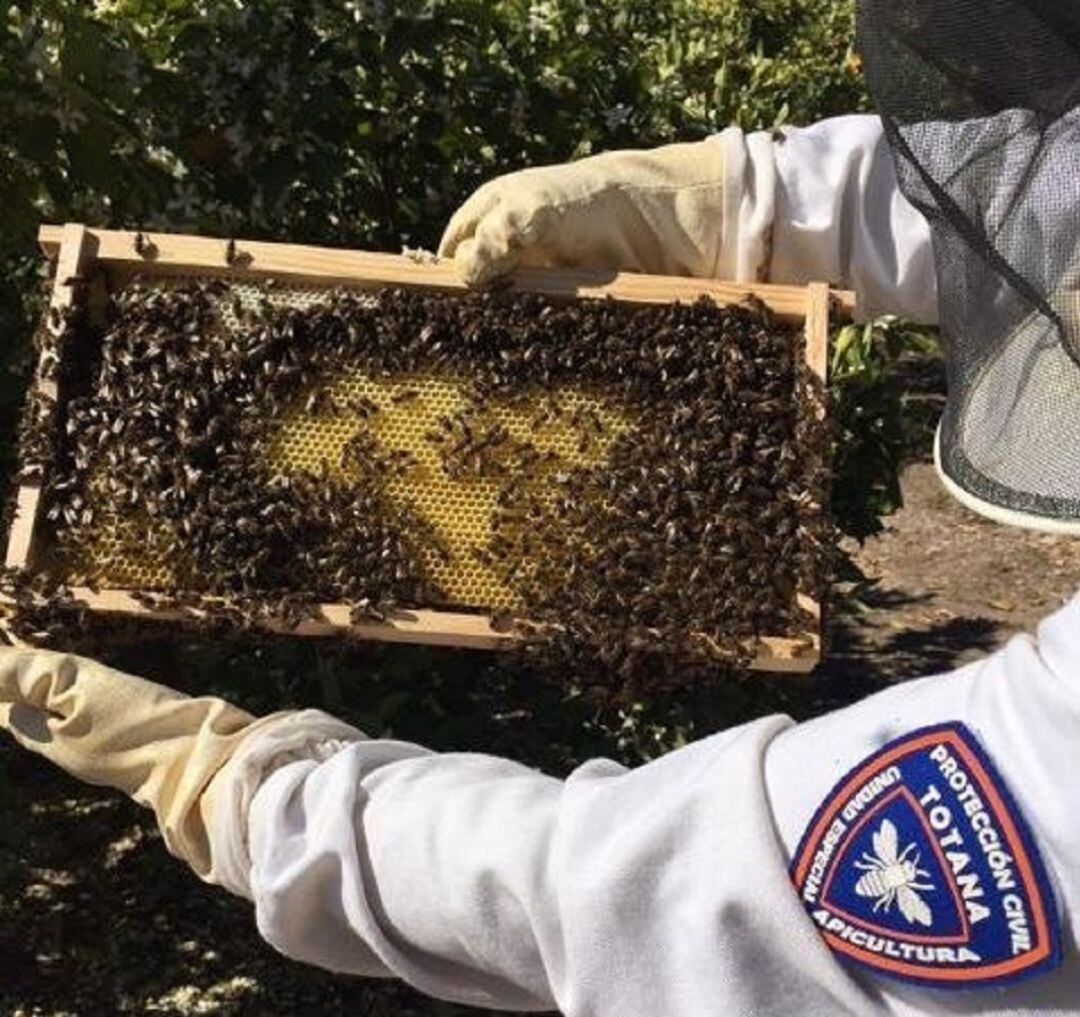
(894,877)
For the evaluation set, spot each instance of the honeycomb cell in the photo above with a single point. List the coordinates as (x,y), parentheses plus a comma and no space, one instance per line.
(459,508)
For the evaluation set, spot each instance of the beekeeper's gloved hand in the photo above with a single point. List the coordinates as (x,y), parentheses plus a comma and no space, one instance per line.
(158,746)
(662,211)
(819,203)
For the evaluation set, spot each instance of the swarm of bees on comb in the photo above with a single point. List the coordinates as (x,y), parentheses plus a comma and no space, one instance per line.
(672,513)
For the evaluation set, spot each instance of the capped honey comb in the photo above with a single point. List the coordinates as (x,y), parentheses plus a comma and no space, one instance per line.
(461,509)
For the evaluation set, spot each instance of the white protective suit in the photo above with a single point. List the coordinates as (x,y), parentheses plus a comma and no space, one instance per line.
(666,891)
(658,891)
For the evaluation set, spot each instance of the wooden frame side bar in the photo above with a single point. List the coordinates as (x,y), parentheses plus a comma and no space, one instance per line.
(817,330)
(72,255)
(253,259)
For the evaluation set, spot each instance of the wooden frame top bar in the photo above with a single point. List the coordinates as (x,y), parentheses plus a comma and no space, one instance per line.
(329,266)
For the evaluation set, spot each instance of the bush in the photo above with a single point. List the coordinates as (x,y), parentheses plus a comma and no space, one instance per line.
(365,123)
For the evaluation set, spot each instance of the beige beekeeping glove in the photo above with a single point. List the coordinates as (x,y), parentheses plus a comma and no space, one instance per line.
(673,210)
(158,746)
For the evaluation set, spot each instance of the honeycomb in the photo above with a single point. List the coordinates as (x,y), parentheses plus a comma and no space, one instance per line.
(460,509)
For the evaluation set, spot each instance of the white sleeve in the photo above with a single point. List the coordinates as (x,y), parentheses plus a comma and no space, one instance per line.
(837,214)
(615,893)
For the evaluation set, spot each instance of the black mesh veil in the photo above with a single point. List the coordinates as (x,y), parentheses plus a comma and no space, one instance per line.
(981,104)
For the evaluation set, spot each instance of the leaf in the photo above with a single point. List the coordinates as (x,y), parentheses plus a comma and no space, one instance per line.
(90,157)
(35,139)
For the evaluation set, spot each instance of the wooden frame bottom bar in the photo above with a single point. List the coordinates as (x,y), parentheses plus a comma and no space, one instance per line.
(794,655)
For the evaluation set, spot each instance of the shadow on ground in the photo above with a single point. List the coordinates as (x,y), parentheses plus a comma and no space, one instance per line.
(99,920)
(871,647)
(868,653)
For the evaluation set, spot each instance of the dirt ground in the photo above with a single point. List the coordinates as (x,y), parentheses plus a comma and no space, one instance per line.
(950,587)
(96,919)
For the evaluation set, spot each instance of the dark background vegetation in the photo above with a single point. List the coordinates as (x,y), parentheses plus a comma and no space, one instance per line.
(359,124)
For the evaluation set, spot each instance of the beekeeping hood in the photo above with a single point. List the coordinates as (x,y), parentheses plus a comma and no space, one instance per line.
(981,104)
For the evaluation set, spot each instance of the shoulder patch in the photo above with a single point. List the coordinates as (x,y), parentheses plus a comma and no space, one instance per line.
(920,866)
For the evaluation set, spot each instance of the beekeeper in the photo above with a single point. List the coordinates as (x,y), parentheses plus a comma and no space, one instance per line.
(917,853)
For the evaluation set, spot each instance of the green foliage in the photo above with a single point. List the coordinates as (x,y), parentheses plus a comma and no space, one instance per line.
(874,431)
(365,123)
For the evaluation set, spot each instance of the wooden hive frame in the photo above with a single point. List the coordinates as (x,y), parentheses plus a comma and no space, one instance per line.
(83,255)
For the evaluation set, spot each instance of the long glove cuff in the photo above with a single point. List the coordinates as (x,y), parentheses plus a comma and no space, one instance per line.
(272,743)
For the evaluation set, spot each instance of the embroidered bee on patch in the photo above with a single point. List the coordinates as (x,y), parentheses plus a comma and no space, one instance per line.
(893,877)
